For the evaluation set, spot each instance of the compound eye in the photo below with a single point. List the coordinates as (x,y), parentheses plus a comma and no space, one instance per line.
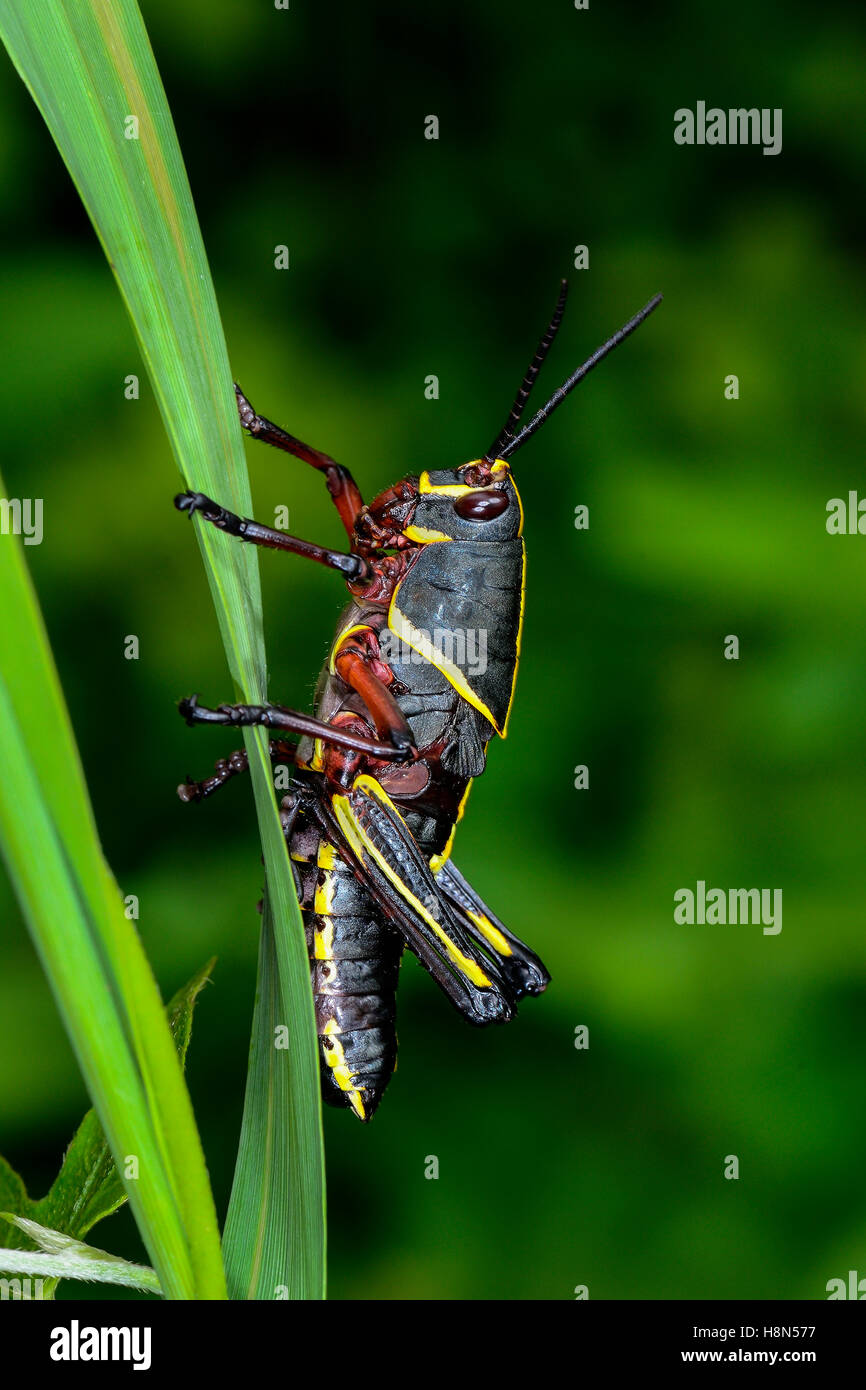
(483,505)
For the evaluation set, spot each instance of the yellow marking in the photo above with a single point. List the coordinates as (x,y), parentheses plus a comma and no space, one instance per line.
(300,858)
(346,821)
(400,624)
(438,860)
(489,932)
(316,760)
(516,645)
(323,942)
(421,533)
(357,1104)
(327,856)
(520,505)
(340,639)
(323,902)
(335,1058)
(426,488)
(346,817)
(364,782)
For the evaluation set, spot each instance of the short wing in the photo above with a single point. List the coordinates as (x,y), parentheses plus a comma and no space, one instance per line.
(371,833)
(522,969)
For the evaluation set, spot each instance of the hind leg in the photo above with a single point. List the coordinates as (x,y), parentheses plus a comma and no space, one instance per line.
(227,768)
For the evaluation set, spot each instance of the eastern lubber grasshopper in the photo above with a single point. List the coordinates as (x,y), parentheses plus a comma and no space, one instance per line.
(405,707)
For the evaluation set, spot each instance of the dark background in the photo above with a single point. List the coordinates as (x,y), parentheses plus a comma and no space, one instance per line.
(409,257)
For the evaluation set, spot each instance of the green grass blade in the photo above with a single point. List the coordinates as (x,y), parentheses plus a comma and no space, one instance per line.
(92,955)
(89,67)
(88,1187)
(257,1266)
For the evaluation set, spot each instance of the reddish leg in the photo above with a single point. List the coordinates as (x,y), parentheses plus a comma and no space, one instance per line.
(352,566)
(341,485)
(352,665)
(276,717)
(229,767)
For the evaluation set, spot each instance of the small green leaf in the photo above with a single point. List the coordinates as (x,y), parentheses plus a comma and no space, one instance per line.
(88,1186)
(14,1199)
(181,1006)
(58,1256)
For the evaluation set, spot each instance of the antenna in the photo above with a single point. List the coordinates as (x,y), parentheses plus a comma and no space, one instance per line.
(559,396)
(506,434)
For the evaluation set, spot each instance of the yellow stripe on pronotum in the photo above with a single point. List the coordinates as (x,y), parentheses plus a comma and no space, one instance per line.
(356,834)
(520,505)
(517,641)
(420,643)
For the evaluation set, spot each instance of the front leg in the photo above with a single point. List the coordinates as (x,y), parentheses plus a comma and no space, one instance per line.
(340,483)
(352,566)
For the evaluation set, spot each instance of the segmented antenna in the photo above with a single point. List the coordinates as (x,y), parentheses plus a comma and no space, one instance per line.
(506,434)
(559,396)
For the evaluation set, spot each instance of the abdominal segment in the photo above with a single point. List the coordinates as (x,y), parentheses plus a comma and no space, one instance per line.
(355,963)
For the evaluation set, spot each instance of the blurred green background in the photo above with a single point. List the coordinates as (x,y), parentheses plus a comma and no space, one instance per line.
(409,257)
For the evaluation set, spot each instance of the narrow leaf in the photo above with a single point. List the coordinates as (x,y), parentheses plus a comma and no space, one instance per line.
(67,932)
(265,1255)
(92,74)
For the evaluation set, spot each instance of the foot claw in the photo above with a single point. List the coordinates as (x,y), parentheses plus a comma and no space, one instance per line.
(247,415)
(186,709)
(405,746)
(193,502)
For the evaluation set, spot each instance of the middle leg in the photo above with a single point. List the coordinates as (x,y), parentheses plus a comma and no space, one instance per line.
(398,749)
